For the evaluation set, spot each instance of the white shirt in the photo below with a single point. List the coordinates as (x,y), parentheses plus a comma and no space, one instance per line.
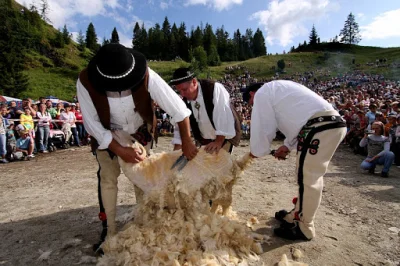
(69,118)
(282,105)
(44,118)
(222,115)
(122,114)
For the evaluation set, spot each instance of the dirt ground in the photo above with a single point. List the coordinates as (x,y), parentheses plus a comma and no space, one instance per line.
(49,207)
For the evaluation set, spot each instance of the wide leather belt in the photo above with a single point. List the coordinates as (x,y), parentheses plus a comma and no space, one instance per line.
(319,119)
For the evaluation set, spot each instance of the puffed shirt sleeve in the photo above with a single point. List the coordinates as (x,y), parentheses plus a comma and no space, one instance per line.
(167,98)
(177,136)
(222,115)
(263,125)
(91,119)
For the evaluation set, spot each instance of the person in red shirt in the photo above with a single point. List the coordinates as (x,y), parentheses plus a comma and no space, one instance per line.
(79,121)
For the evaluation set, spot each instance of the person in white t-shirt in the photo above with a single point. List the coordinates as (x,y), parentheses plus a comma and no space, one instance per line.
(309,123)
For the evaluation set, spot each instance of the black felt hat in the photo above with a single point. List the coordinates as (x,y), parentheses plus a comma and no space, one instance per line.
(252,87)
(116,68)
(182,75)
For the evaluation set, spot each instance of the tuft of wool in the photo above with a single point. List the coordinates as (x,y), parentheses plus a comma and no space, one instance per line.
(45,255)
(286,262)
(174,224)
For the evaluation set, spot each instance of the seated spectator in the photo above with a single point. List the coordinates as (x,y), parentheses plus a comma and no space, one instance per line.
(3,139)
(378,150)
(25,144)
(67,119)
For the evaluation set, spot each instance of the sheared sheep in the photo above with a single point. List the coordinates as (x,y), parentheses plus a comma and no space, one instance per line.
(173,224)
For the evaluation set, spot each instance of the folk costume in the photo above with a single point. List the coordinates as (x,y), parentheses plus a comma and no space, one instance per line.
(212,112)
(311,125)
(116,92)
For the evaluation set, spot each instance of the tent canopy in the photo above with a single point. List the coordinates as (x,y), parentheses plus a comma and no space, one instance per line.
(9,99)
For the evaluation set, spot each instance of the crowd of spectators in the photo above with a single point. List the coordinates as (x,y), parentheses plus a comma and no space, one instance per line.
(360,98)
(30,128)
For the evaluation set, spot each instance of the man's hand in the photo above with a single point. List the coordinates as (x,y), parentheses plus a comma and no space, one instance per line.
(189,149)
(370,159)
(282,152)
(213,147)
(131,155)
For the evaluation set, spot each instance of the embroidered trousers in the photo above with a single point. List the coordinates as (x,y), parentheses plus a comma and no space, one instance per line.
(311,165)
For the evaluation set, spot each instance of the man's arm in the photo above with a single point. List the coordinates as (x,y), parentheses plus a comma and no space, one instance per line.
(188,147)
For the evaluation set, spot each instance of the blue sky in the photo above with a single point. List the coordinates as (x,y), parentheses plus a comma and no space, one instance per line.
(284,22)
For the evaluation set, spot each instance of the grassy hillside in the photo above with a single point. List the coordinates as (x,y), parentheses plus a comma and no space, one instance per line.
(47,79)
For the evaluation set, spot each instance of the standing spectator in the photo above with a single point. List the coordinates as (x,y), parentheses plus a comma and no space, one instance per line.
(397,144)
(79,121)
(378,150)
(13,109)
(71,113)
(370,115)
(3,139)
(25,144)
(43,127)
(11,141)
(50,109)
(27,120)
(5,113)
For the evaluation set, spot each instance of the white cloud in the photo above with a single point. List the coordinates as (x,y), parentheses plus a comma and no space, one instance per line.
(360,16)
(283,20)
(219,5)
(383,26)
(62,11)
(163,5)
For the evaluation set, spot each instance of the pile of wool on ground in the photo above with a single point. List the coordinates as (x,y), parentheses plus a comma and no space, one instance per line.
(173,224)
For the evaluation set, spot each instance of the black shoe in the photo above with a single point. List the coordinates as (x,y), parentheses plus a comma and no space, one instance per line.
(384,174)
(290,233)
(97,249)
(280,215)
(371,170)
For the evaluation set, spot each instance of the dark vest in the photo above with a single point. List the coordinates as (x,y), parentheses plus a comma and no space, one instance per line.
(207,88)
(144,105)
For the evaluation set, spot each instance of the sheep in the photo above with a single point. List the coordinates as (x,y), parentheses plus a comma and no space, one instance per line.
(212,175)
(173,223)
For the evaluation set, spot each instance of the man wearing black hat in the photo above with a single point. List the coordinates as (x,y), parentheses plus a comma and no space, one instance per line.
(308,122)
(116,92)
(214,121)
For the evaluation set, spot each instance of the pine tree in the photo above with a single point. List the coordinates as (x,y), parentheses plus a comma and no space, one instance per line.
(213,58)
(105,41)
(183,42)
(44,10)
(81,41)
(259,44)
(209,38)
(91,38)
(114,36)
(350,32)
(313,36)
(66,35)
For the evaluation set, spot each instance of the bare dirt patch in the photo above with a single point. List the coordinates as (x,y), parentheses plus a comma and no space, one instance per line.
(49,204)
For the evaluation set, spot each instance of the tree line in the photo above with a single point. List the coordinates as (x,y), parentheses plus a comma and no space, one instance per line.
(349,34)
(166,42)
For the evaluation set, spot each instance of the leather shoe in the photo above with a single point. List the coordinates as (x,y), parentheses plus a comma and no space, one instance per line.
(290,233)
(280,215)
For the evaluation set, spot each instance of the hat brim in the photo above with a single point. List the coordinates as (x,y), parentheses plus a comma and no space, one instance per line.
(180,81)
(131,81)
